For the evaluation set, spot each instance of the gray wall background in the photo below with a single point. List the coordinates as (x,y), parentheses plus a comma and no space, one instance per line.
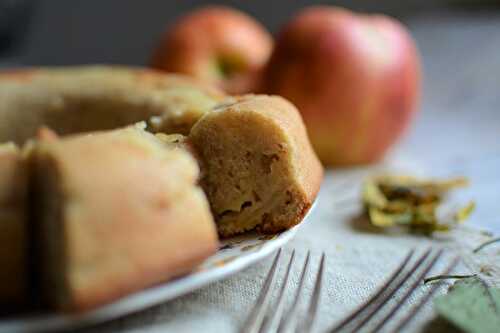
(63,32)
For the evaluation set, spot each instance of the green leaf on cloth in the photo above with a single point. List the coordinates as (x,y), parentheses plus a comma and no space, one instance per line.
(471,305)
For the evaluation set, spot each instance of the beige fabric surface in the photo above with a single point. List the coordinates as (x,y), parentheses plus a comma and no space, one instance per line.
(358,259)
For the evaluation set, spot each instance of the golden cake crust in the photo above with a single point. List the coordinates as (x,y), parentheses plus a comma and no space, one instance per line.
(90,98)
(130,212)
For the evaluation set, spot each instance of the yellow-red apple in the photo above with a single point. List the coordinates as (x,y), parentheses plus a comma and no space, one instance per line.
(216,44)
(355,78)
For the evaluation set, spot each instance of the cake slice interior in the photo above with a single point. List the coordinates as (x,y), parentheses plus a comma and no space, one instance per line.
(259,170)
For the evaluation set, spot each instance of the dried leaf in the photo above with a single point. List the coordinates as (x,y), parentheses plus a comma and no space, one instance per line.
(463,213)
(471,305)
(372,195)
(381,219)
(447,277)
(485,244)
(411,202)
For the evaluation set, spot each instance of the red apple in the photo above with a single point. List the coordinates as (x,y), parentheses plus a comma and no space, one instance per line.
(355,78)
(216,44)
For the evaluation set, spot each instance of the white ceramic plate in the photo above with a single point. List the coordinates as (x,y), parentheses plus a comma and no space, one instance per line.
(234,255)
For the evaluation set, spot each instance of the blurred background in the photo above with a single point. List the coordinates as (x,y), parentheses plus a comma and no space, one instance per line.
(60,32)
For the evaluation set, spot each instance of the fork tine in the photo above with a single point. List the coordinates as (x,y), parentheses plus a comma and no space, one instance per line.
(268,324)
(425,299)
(313,305)
(389,281)
(412,288)
(393,291)
(288,320)
(254,320)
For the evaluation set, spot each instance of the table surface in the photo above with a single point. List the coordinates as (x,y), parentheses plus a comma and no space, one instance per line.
(459,123)
(457,131)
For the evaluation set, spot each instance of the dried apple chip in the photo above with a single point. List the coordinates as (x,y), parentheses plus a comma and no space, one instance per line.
(393,200)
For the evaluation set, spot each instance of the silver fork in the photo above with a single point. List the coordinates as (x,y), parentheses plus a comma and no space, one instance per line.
(396,282)
(256,321)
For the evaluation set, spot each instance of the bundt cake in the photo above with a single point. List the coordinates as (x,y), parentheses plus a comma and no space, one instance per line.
(259,169)
(91,98)
(13,227)
(117,211)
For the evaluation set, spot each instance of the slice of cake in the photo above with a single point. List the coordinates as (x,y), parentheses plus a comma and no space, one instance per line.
(117,211)
(13,227)
(259,170)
